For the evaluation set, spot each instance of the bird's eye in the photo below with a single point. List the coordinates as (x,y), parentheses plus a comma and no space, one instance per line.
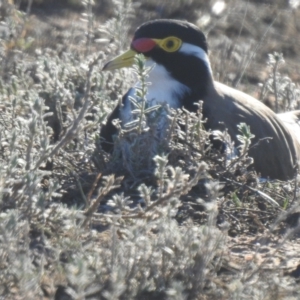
(170,44)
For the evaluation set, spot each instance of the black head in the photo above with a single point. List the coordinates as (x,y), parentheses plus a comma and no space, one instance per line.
(180,47)
(163,28)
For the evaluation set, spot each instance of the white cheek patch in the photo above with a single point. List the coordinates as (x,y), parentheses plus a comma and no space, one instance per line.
(190,49)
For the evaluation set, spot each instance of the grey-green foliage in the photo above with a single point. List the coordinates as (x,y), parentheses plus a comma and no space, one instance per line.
(141,137)
(141,107)
(50,104)
(285,91)
(27,137)
(124,243)
(117,28)
(147,251)
(24,140)
(245,137)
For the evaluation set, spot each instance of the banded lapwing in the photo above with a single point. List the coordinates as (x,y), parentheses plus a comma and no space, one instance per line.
(181,76)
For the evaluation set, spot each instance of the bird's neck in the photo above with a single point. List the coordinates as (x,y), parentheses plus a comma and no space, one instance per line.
(200,90)
(179,87)
(201,84)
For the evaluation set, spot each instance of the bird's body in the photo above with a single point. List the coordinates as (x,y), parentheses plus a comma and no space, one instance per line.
(181,76)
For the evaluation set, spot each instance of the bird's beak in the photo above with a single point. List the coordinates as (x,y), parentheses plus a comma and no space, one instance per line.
(124,60)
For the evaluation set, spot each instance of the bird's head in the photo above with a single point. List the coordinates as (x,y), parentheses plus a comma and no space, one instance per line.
(180,47)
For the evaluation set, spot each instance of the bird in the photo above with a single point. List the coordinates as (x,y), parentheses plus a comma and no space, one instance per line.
(181,75)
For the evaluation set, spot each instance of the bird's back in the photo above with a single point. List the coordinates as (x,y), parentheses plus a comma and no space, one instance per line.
(275,157)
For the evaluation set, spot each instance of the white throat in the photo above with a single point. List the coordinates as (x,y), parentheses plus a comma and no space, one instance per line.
(162,89)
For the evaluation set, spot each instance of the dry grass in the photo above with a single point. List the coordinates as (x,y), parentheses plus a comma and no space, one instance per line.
(77,223)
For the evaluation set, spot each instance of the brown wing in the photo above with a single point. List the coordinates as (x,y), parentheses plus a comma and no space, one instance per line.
(276,157)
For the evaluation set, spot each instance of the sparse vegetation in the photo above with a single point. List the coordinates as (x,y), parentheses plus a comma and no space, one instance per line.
(175,219)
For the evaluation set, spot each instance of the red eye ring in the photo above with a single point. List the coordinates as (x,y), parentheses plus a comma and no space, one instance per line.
(143,45)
